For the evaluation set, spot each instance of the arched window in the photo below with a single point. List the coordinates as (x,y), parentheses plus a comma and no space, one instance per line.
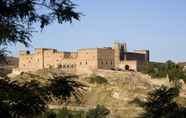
(127,67)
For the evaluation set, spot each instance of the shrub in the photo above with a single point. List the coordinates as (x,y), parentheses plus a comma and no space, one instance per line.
(97,79)
(154,69)
(99,112)
(64,113)
(161,103)
(159,70)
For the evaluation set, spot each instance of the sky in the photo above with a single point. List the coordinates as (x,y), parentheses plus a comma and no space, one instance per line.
(157,25)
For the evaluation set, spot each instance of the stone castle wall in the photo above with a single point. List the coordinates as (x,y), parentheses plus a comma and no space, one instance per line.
(83,60)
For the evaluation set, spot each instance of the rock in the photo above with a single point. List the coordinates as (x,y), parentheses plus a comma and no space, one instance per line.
(116,95)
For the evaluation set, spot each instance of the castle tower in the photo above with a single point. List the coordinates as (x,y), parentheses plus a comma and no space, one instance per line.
(119,52)
(39,54)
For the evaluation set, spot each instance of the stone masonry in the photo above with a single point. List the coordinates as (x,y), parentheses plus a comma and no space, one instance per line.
(87,59)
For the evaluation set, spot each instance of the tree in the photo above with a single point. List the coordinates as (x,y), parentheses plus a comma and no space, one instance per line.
(161,103)
(17,21)
(17,101)
(175,72)
(64,87)
(17,17)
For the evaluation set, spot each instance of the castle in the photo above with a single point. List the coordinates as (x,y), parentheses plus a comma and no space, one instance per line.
(87,59)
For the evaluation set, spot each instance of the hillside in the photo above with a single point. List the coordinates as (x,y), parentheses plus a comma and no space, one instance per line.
(7,67)
(121,92)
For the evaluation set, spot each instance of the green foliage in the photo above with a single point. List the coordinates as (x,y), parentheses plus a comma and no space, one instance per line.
(30,99)
(18,101)
(17,17)
(175,72)
(64,87)
(158,70)
(49,115)
(161,103)
(99,112)
(97,79)
(64,113)
(17,21)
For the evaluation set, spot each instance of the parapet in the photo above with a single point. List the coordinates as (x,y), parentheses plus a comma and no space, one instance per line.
(142,51)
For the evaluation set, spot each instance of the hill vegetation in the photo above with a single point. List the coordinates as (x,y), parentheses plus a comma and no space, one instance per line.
(119,92)
(162,70)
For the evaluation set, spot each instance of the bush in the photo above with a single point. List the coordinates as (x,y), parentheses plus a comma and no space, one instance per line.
(161,103)
(97,79)
(64,113)
(99,112)
(155,70)
(159,70)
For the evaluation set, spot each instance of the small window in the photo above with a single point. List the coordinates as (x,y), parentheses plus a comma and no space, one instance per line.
(86,63)
(59,66)
(101,62)
(64,66)
(106,62)
(111,62)
(67,66)
(72,66)
(80,63)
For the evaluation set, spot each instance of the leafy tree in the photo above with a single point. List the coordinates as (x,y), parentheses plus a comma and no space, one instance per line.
(30,99)
(17,17)
(154,69)
(99,112)
(175,72)
(18,20)
(64,87)
(17,101)
(161,103)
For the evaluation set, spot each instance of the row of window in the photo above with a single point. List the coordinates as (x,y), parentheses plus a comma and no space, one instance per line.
(106,62)
(81,63)
(101,62)
(67,66)
(105,57)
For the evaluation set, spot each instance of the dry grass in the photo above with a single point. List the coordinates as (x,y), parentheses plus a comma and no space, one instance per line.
(117,94)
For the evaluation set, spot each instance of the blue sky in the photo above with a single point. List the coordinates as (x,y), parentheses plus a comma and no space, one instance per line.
(157,25)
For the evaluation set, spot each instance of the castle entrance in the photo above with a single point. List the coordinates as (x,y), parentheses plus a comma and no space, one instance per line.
(127,67)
